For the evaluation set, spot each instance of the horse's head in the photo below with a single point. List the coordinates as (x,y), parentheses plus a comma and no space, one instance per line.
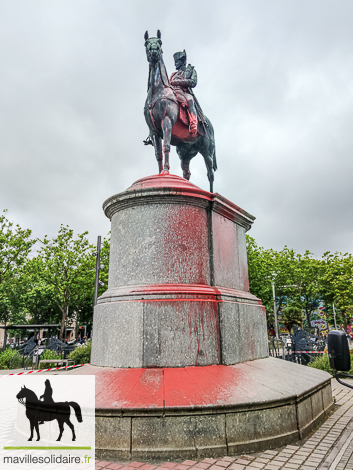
(25,394)
(153,47)
(22,395)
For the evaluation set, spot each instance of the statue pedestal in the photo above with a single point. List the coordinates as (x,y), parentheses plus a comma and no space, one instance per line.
(178,298)
(178,292)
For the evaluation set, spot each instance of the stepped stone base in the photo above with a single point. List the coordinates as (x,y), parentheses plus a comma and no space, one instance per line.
(196,412)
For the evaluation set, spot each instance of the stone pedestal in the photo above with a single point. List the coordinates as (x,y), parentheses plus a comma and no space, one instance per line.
(178,292)
(178,298)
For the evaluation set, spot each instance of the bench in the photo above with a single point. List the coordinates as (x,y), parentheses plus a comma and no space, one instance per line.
(60,362)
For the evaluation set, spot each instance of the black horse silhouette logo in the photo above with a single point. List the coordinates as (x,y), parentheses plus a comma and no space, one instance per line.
(38,411)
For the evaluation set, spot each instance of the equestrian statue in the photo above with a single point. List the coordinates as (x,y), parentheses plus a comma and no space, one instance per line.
(173,114)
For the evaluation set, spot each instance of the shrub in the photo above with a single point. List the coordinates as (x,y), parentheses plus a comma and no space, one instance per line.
(82,354)
(5,358)
(49,354)
(323,363)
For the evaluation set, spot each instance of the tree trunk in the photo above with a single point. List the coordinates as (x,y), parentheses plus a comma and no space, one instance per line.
(63,321)
(307,314)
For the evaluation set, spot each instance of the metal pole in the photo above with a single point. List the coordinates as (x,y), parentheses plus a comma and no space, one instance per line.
(334,316)
(5,339)
(98,258)
(275,309)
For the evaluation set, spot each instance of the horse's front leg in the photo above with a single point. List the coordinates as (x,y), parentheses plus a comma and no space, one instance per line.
(159,152)
(31,422)
(167,135)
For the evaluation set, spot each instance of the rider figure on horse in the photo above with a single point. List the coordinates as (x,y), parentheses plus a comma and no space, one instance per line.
(47,396)
(183,80)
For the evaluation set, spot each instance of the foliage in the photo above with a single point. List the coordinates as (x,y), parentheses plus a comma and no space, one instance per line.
(66,266)
(15,246)
(323,363)
(336,286)
(5,358)
(49,354)
(291,316)
(82,354)
(302,280)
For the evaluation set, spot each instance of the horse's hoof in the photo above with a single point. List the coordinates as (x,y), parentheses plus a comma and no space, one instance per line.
(30,439)
(38,439)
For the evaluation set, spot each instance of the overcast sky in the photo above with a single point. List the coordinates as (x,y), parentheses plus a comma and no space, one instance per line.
(275,78)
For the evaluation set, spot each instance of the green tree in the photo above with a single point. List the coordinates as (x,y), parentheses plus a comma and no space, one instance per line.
(267,266)
(83,302)
(66,265)
(15,246)
(336,286)
(291,316)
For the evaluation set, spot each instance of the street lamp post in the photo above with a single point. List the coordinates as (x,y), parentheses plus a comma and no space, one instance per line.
(334,316)
(275,309)
(99,266)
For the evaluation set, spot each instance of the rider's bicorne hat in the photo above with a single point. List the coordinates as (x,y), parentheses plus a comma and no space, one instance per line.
(180,55)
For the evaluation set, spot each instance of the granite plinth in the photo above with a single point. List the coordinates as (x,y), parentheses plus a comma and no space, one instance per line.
(195,412)
(178,292)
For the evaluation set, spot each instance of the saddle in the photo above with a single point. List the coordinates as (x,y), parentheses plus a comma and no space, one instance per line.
(168,93)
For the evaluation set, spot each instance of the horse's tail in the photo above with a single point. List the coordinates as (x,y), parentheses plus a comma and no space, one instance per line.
(77,409)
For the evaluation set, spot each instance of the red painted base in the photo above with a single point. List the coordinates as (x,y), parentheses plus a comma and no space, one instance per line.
(196,387)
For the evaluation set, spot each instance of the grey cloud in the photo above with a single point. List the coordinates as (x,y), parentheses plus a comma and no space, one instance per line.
(275,78)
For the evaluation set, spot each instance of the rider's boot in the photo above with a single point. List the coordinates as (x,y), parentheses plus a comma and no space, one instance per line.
(192,118)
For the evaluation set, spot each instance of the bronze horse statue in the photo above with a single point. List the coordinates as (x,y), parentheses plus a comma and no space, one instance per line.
(162,115)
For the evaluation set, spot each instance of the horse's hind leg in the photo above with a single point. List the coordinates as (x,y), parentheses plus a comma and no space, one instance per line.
(71,426)
(209,165)
(37,430)
(61,428)
(159,152)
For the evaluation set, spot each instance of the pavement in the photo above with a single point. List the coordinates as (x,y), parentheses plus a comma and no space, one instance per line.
(330,447)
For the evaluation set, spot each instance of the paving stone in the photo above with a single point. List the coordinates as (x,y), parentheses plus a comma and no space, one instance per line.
(223,463)
(202,465)
(169,464)
(257,465)
(116,466)
(242,461)
(237,466)
(102,463)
